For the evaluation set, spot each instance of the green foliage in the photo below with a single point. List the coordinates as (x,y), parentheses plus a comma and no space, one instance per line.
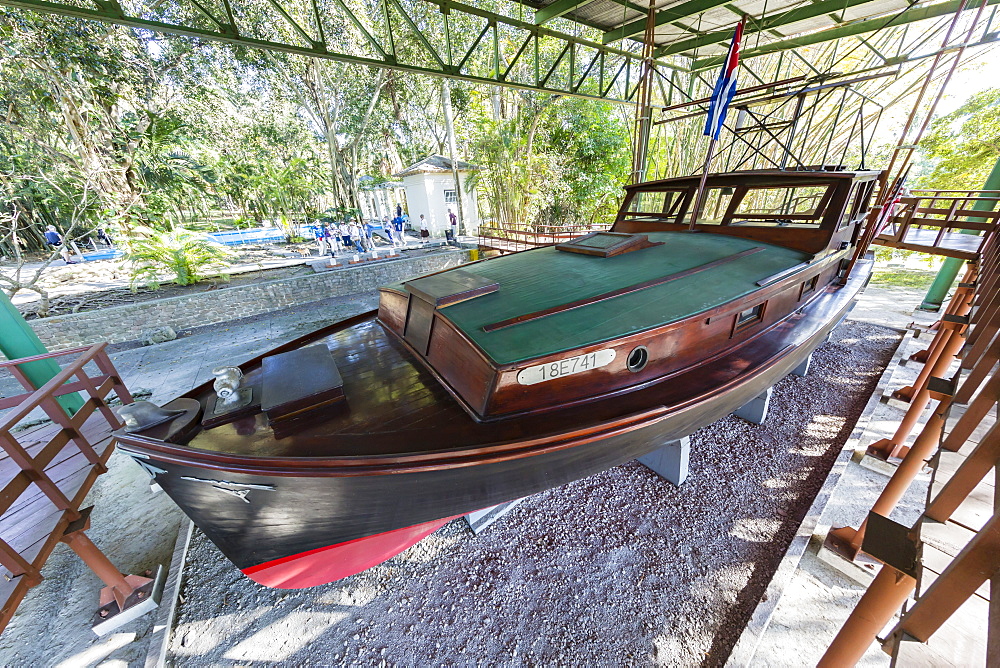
(903,278)
(550,160)
(180,253)
(133,131)
(963,146)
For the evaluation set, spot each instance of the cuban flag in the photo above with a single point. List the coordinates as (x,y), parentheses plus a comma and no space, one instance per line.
(725,87)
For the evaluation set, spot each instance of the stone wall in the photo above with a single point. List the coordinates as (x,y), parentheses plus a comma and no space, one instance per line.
(127,323)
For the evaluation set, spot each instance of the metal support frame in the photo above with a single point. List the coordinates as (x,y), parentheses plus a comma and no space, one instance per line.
(67,439)
(849,29)
(481,46)
(949,270)
(951,340)
(121,592)
(975,558)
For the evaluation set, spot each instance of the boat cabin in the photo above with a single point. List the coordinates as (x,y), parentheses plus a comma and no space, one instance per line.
(808,211)
(612,312)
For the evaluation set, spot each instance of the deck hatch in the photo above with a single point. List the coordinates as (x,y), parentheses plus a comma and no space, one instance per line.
(430,293)
(451,287)
(607,244)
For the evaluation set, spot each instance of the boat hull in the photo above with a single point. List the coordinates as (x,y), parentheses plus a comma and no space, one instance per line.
(292,527)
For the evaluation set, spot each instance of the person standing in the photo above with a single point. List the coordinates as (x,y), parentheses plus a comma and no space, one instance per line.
(425,233)
(453,221)
(345,235)
(356,235)
(52,237)
(323,239)
(397,224)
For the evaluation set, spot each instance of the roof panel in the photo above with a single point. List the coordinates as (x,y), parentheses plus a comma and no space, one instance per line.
(717,16)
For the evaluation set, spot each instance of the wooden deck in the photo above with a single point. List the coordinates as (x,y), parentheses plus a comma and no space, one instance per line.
(940,222)
(950,244)
(47,471)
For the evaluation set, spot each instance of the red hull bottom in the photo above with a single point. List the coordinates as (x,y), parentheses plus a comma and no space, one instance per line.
(334,562)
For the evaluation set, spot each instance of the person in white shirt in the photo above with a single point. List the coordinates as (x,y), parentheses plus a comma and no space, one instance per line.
(425,233)
(345,235)
(356,235)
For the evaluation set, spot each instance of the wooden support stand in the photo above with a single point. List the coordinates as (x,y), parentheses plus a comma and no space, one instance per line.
(125,597)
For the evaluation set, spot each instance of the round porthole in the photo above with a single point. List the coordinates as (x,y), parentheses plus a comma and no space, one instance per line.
(637,359)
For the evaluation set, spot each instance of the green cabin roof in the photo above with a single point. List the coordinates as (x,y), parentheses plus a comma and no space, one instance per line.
(545,278)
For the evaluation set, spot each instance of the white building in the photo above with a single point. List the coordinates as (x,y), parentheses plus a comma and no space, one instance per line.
(430,190)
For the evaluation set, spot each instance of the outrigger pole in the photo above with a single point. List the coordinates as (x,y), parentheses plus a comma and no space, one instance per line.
(725,88)
(643,110)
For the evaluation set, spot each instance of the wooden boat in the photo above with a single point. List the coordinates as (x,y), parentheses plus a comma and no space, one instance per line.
(486,383)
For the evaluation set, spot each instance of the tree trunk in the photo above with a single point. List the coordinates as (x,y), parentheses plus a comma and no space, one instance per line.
(452,153)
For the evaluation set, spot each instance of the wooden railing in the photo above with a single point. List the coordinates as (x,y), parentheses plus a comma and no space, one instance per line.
(511,239)
(947,565)
(942,222)
(46,471)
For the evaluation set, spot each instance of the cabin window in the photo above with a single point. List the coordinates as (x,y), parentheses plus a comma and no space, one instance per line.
(656,205)
(851,208)
(748,317)
(809,286)
(857,202)
(791,206)
(451,196)
(637,359)
(716,203)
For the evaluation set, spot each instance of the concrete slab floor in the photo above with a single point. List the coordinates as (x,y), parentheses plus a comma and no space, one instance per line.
(138,529)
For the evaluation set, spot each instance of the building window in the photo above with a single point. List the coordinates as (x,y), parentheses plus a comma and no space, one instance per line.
(450,196)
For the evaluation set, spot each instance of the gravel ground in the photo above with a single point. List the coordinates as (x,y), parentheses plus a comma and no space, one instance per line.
(618,568)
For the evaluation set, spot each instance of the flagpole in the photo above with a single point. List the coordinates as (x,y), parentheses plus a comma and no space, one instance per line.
(725,87)
(699,195)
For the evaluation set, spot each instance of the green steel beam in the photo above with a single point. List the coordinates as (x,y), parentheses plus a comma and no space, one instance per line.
(757,25)
(847,30)
(18,340)
(949,269)
(675,13)
(614,78)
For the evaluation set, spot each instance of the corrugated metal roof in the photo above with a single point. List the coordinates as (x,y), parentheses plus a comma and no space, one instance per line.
(698,17)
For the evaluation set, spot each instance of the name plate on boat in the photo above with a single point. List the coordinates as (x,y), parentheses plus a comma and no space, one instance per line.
(567,367)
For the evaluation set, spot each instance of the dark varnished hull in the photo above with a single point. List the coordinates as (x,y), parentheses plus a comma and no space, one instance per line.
(289,521)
